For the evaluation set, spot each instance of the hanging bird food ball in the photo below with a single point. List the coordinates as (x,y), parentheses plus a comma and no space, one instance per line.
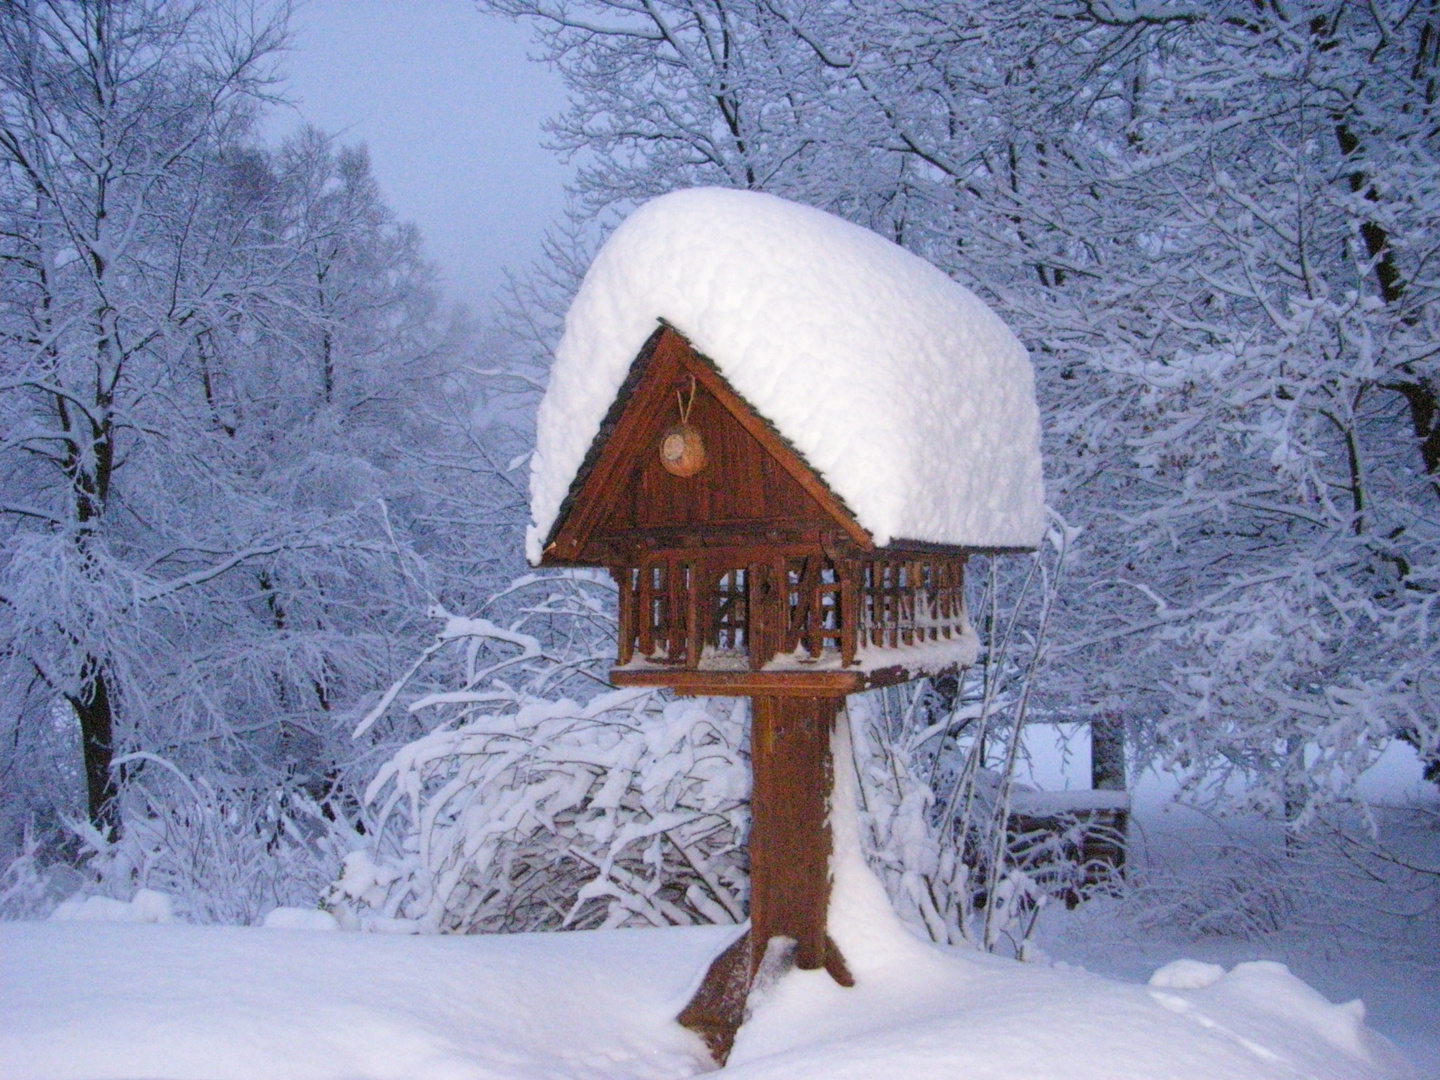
(682,450)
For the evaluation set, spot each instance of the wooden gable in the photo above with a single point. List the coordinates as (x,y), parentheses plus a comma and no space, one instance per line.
(754,488)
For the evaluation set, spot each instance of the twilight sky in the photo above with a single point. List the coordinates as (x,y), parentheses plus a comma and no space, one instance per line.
(451,111)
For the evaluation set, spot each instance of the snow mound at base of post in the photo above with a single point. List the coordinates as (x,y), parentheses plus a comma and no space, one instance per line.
(909,396)
(862,923)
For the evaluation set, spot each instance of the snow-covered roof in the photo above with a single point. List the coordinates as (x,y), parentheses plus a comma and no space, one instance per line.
(900,388)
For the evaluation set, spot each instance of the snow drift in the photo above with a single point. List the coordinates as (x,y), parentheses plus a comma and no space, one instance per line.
(91,1001)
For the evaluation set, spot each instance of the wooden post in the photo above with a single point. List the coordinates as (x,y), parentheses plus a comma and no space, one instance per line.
(789,862)
(1107,752)
(789,830)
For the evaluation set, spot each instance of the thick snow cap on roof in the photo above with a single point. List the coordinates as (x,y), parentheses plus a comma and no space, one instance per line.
(900,387)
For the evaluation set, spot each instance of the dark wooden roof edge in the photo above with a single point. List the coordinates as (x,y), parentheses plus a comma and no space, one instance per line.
(607,426)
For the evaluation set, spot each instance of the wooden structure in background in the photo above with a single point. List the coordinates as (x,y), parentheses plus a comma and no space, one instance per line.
(741,573)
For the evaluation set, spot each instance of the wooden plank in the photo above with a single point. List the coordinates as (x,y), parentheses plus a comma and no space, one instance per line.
(722,539)
(909,608)
(625,645)
(645,601)
(676,606)
(849,572)
(698,605)
(717,1010)
(780,605)
(757,615)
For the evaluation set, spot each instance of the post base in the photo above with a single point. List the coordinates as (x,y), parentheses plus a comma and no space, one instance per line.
(721,1004)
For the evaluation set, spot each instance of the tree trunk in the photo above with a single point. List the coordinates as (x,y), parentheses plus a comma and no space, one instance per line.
(1107,752)
(1108,843)
(97,727)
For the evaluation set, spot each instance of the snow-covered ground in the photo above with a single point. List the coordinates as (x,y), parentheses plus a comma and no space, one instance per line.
(1381,945)
(111,1000)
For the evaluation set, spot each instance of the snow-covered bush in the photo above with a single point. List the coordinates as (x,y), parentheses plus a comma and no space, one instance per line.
(936,762)
(1344,888)
(217,852)
(1238,886)
(32,887)
(540,798)
(535,796)
(223,853)
(934,815)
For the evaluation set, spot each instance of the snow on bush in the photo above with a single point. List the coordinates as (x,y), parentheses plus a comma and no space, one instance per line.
(936,850)
(212,853)
(540,798)
(936,761)
(220,853)
(31,886)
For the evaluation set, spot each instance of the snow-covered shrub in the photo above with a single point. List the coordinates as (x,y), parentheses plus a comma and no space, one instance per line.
(936,853)
(535,796)
(1250,878)
(929,882)
(540,798)
(1246,890)
(223,854)
(936,764)
(1233,887)
(31,887)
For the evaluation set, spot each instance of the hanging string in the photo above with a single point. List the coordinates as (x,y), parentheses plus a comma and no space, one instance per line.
(686,406)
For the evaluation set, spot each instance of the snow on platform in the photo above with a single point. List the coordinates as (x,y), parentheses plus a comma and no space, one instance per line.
(900,387)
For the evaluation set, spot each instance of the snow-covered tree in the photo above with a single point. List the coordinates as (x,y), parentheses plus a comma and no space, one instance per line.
(220,363)
(1212,224)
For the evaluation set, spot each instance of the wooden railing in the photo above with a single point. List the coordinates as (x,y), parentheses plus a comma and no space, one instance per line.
(691,609)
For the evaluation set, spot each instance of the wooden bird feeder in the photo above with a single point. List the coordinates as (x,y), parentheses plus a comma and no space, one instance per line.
(741,573)
(742,569)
